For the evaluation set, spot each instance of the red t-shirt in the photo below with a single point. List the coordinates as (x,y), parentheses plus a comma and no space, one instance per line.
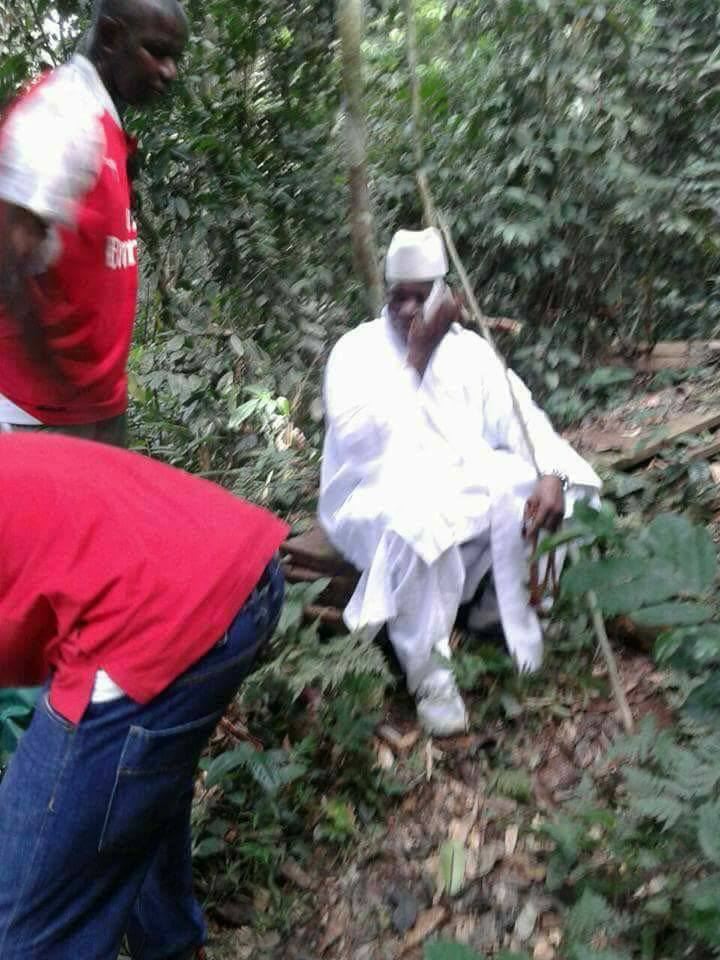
(63,155)
(110,560)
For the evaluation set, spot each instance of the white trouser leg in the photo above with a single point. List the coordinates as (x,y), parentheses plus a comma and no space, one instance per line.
(427,597)
(510,556)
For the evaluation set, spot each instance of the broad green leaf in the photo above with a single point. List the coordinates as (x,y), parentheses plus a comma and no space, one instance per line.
(623,584)
(182,207)
(689,547)
(609,376)
(690,646)
(672,615)
(209,847)
(674,559)
(226,763)
(703,704)
(452,865)
(237,346)
(446,950)
(701,908)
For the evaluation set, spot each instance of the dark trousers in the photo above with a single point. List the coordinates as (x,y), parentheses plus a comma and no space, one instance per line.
(95,817)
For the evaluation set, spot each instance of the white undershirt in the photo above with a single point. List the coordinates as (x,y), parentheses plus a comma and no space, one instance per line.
(105,689)
(15,416)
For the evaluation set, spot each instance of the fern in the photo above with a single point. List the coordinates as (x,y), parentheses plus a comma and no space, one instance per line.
(653,797)
(271,769)
(328,665)
(513,783)
(590,915)
(637,747)
(709,832)
(304,661)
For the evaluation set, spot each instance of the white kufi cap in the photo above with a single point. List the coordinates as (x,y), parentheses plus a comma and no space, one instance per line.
(416,256)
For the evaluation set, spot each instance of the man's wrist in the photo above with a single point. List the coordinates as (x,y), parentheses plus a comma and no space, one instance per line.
(561,477)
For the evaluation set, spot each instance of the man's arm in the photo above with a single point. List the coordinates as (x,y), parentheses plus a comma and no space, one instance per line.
(51,152)
(545,507)
(20,242)
(558,463)
(427,332)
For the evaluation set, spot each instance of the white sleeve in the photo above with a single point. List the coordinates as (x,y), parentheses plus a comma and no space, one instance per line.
(352,413)
(551,451)
(51,151)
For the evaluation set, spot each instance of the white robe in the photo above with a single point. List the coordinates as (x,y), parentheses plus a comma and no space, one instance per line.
(423,487)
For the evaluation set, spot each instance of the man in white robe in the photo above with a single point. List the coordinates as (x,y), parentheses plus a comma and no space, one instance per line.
(427,483)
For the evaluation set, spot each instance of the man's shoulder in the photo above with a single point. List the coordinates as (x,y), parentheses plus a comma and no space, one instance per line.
(469,344)
(64,92)
(372,331)
(52,142)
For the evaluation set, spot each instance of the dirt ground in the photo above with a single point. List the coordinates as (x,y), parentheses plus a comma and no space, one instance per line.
(385,898)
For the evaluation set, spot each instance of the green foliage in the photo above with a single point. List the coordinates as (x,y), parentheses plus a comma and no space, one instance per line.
(647,872)
(445,950)
(270,769)
(663,577)
(638,847)
(16,710)
(300,660)
(573,146)
(671,559)
(452,867)
(512,783)
(591,914)
(316,773)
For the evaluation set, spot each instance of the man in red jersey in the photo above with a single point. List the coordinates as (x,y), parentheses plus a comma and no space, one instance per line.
(139,595)
(68,238)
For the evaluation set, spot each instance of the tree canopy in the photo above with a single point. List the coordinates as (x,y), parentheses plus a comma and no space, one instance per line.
(573,146)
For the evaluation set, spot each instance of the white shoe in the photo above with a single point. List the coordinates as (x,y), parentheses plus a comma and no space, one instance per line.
(440,707)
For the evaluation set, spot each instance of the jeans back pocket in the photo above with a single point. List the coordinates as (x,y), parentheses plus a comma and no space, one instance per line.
(154,781)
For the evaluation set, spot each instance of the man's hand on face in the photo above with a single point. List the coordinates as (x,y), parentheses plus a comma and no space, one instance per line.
(545,507)
(425,334)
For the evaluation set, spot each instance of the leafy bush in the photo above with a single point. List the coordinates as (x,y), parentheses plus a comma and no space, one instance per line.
(16,710)
(639,848)
(636,852)
(315,772)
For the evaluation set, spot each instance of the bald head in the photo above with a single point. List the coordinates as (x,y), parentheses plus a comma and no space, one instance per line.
(134,12)
(135,45)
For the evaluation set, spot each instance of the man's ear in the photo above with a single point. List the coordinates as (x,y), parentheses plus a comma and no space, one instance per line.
(109,31)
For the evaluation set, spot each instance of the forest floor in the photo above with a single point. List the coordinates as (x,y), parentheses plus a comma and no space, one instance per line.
(481,798)
(381,899)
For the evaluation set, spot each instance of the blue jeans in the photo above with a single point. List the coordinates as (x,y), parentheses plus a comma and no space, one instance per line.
(95,817)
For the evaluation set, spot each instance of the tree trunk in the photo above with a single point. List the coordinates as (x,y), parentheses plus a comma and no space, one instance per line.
(350,27)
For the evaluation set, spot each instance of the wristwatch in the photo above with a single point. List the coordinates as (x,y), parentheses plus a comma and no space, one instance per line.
(562,477)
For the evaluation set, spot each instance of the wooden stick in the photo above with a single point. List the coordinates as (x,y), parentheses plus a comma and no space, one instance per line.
(434,216)
(604,643)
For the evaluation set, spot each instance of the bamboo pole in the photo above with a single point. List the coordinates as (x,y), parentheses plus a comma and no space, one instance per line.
(350,20)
